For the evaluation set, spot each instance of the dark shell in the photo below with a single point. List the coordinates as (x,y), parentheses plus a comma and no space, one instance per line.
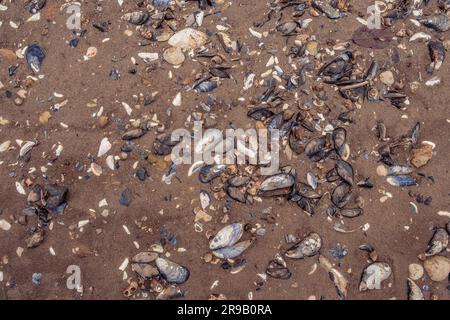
(219,72)
(236,194)
(287,28)
(307,192)
(341,195)
(415,133)
(171,292)
(205,86)
(126,197)
(238,181)
(164,144)
(133,134)
(438,22)
(55,195)
(260,114)
(339,137)
(351,213)
(345,171)
(275,122)
(277,185)
(35,5)
(316,149)
(35,56)
(210,172)
(137,18)
(437,55)
(372,38)
(172,272)
(278,271)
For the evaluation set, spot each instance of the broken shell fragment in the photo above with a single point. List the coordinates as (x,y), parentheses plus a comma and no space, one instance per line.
(414,291)
(401,181)
(438,242)
(172,272)
(374,275)
(340,282)
(141,264)
(308,247)
(136,18)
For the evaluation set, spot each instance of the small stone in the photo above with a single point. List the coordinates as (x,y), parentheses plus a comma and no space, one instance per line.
(387,77)
(35,240)
(103,121)
(312,48)
(437,268)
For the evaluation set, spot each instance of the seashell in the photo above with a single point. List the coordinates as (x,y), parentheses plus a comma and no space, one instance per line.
(312,180)
(414,291)
(96,169)
(374,275)
(260,114)
(91,53)
(287,28)
(227,44)
(351,213)
(205,199)
(110,162)
(401,181)
(148,56)
(238,181)
(439,22)
(5,146)
(326,8)
(137,18)
(231,252)
(437,268)
(307,192)
(163,3)
(20,188)
(171,292)
(394,170)
(174,55)
(56,195)
(420,35)
(341,195)
(105,146)
(340,282)
(172,272)
(5,225)
(35,5)
(438,242)
(345,171)
(219,72)
(188,39)
(277,269)
(236,194)
(315,149)
(227,236)
(35,57)
(308,247)
(210,172)
(205,86)
(133,134)
(279,184)
(163,144)
(141,264)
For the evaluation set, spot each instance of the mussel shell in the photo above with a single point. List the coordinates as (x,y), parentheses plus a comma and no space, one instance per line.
(275,122)
(351,213)
(297,145)
(171,292)
(172,272)
(55,195)
(278,271)
(137,18)
(438,242)
(133,134)
(287,28)
(307,192)
(437,54)
(374,275)
(339,137)
(205,86)
(260,114)
(233,251)
(141,264)
(236,194)
(238,181)
(341,195)
(35,5)
(210,172)
(438,22)
(279,184)
(164,144)
(308,247)
(316,148)
(345,171)
(227,236)
(401,181)
(35,56)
